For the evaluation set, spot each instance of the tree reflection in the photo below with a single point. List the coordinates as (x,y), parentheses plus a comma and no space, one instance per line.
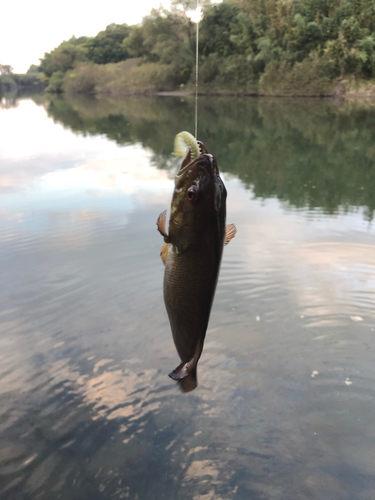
(308,153)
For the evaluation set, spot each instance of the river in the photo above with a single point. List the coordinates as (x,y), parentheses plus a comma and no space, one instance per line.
(285,404)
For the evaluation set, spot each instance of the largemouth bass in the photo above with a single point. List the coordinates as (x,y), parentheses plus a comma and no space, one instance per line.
(192,255)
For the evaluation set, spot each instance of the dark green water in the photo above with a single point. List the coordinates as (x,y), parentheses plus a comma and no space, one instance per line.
(286,398)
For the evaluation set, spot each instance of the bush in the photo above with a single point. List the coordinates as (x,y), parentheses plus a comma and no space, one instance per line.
(119,78)
(209,69)
(143,78)
(30,82)
(303,79)
(84,78)
(56,82)
(232,74)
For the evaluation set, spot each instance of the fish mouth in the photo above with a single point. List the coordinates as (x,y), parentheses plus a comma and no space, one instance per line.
(204,162)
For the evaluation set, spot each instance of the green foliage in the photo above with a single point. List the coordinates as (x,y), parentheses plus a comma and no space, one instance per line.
(13,82)
(56,82)
(83,79)
(164,41)
(134,43)
(286,47)
(294,47)
(146,77)
(33,69)
(119,78)
(107,46)
(306,78)
(63,58)
(166,38)
(217,29)
(234,74)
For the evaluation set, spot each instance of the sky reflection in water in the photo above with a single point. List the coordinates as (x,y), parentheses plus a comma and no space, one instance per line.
(285,402)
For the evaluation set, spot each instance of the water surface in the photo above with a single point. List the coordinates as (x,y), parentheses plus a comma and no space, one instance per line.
(286,401)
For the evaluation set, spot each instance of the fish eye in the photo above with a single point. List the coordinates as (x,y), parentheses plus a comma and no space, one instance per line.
(192,193)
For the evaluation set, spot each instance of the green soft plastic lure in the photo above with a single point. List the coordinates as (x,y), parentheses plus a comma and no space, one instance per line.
(185,140)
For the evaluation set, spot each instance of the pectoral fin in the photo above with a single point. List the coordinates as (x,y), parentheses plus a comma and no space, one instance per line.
(164,253)
(230,233)
(161,224)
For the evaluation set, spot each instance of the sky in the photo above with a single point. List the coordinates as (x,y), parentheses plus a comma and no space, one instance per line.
(32,28)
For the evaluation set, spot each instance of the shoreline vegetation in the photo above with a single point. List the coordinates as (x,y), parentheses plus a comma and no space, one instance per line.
(12,82)
(304,48)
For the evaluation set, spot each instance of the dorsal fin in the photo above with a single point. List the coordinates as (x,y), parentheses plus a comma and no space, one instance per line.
(230,233)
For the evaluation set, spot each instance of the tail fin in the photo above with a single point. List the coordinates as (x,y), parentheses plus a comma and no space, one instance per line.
(186,373)
(190,382)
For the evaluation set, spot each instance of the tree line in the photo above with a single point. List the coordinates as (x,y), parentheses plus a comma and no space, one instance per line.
(11,82)
(245,46)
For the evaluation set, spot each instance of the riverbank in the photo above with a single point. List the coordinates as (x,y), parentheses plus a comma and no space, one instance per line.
(15,82)
(361,90)
(130,77)
(343,87)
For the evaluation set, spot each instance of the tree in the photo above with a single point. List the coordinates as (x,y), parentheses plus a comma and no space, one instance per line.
(5,69)
(33,69)
(165,38)
(62,58)
(107,46)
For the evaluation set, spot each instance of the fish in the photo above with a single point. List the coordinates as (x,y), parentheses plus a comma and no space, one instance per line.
(192,253)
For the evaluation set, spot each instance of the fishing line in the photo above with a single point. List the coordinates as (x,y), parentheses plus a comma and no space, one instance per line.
(196,72)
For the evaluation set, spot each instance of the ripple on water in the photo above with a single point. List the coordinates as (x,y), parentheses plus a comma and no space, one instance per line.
(86,407)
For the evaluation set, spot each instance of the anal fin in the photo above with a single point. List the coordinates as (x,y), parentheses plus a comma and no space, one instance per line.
(230,232)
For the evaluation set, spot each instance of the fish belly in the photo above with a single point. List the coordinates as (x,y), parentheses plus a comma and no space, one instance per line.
(189,287)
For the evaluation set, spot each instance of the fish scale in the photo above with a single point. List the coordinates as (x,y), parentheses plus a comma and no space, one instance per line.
(189,287)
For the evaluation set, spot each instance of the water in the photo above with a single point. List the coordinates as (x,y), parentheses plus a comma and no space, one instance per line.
(286,400)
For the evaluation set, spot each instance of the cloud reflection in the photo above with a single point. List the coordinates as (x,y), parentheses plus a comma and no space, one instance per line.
(40,154)
(131,173)
(118,393)
(325,264)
